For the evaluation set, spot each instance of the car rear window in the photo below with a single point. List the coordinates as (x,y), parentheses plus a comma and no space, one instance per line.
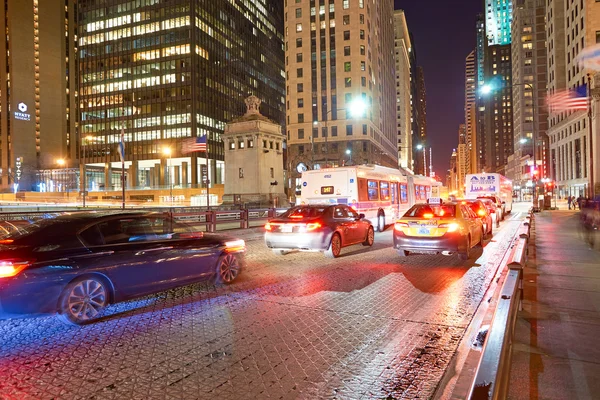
(304,212)
(430,211)
(492,199)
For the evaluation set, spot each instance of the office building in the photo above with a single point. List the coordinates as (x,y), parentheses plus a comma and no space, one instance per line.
(162,73)
(341,96)
(498,129)
(470,126)
(462,158)
(530,116)
(421,139)
(479,97)
(417,140)
(571,26)
(403,48)
(38,117)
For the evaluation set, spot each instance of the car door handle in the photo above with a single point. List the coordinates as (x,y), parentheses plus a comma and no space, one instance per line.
(155,249)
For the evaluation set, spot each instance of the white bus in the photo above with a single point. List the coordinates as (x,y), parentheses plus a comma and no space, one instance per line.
(481,185)
(381,193)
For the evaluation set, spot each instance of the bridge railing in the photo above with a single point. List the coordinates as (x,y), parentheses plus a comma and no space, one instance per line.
(208,220)
(493,371)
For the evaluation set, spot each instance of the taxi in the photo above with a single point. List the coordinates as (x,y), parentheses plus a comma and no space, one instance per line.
(448,228)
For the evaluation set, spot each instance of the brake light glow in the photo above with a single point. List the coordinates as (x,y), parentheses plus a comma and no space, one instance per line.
(268,227)
(6,241)
(452,227)
(234,246)
(481,213)
(312,226)
(428,215)
(399,225)
(296,216)
(12,268)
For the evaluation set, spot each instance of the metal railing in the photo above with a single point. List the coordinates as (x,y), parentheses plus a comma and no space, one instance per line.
(493,371)
(209,220)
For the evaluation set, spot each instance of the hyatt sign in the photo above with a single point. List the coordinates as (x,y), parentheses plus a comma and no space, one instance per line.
(22,113)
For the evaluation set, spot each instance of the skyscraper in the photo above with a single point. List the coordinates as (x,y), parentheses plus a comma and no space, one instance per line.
(417,140)
(479,98)
(470,128)
(498,76)
(529,63)
(422,115)
(340,56)
(570,28)
(161,73)
(403,48)
(38,117)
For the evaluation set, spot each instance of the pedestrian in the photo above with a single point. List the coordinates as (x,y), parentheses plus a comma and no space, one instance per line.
(569,201)
(579,202)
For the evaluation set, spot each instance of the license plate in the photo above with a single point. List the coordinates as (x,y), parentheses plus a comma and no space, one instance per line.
(286,228)
(424,231)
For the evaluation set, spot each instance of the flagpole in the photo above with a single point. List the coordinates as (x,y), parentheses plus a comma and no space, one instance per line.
(592,190)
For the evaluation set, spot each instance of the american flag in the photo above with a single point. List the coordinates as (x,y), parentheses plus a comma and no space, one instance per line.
(194,144)
(569,99)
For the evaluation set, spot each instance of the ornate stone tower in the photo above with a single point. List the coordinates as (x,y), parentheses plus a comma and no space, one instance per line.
(254,159)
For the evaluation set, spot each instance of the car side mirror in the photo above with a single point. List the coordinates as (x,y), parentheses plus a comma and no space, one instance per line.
(361,216)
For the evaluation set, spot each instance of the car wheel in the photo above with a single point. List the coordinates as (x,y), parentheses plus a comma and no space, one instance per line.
(481,238)
(278,252)
(228,268)
(464,256)
(370,237)
(335,247)
(381,222)
(83,300)
(403,253)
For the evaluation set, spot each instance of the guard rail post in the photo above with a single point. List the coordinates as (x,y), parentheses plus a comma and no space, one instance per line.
(210,221)
(244,219)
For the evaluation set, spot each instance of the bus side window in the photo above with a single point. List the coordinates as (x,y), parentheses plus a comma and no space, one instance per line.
(362,189)
(384,190)
(404,193)
(394,186)
(373,190)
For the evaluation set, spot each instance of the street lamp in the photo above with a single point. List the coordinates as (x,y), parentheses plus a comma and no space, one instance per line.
(349,152)
(167,152)
(421,147)
(357,109)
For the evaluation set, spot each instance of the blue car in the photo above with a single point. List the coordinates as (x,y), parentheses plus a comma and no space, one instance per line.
(77,264)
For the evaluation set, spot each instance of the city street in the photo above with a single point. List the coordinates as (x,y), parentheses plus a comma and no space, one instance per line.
(366,325)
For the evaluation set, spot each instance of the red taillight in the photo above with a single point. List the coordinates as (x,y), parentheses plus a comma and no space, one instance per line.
(11,268)
(235,246)
(428,215)
(296,216)
(268,227)
(399,225)
(6,241)
(312,226)
(481,213)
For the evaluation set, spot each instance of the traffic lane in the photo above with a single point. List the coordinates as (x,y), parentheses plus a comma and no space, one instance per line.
(296,326)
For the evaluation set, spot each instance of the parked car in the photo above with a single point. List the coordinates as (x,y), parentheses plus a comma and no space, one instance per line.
(324,228)
(77,264)
(493,210)
(483,213)
(447,228)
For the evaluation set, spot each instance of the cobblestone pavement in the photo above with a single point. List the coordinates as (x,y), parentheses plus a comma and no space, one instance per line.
(365,325)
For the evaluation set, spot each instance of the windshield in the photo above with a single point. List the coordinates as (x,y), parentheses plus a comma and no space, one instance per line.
(430,211)
(492,199)
(303,212)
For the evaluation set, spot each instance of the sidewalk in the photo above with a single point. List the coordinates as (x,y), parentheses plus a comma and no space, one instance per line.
(555,351)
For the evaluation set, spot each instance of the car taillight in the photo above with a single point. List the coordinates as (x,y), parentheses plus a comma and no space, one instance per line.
(312,226)
(9,268)
(481,213)
(268,227)
(452,227)
(234,246)
(399,225)
(428,215)
(6,241)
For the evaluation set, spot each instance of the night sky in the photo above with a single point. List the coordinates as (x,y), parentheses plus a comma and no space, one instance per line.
(444,33)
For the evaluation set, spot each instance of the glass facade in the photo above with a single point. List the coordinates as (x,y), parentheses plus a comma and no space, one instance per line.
(498,21)
(160,72)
